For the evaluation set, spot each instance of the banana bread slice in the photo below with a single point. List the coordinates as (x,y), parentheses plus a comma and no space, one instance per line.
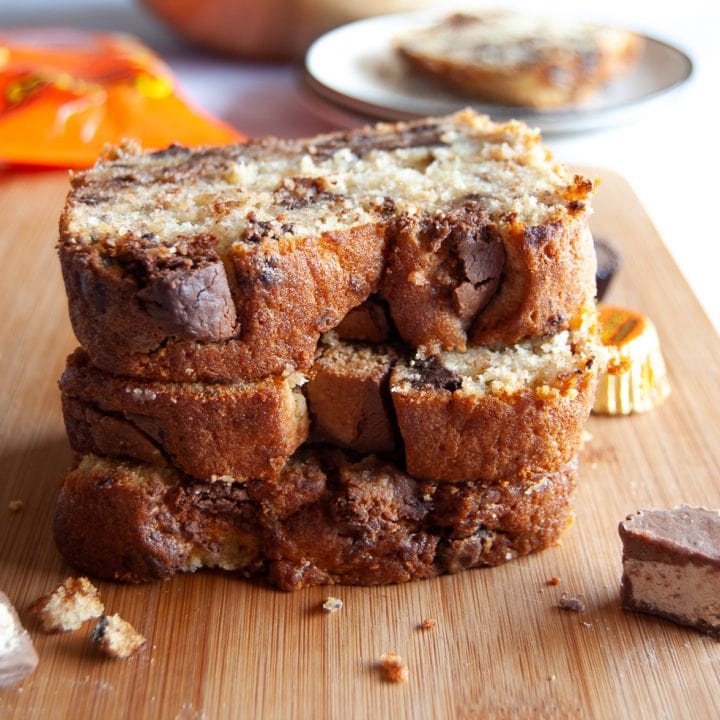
(517,58)
(228,263)
(487,412)
(211,432)
(326,519)
(458,417)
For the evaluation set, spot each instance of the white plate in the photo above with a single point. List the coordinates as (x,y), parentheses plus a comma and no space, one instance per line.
(354,67)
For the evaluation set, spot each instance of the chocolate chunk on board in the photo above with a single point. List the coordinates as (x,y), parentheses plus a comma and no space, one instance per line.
(671,566)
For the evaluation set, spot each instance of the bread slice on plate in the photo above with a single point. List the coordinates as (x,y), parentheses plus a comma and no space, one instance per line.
(516,58)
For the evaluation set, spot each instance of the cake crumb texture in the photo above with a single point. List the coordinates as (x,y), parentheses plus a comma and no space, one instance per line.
(69,606)
(116,637)
(395,668)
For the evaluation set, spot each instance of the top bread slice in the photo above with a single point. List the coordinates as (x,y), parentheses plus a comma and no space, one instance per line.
(220,264)
(518,58)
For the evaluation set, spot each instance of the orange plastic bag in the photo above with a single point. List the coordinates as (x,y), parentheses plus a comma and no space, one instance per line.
(64,94)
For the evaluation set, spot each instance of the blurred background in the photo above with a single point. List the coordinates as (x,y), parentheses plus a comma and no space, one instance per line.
(241,60)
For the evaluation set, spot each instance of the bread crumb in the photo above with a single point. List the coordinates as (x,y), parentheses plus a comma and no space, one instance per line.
(554,580)
(428,623)
(395,668)
(572,603)
(16,505)
(116,637)
(68,607)
(332,604)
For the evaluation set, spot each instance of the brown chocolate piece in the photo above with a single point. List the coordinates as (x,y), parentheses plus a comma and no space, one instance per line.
(441,272)
(194,304)
(325,519)
(483,258)
(671,566)
(349,398)
(435,375)
(608,263)
(146,292)
(369,322)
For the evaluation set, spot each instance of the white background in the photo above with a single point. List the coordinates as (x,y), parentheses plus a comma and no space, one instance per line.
(670,157)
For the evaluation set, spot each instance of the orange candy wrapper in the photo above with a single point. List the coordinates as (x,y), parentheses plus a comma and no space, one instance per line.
(65,94)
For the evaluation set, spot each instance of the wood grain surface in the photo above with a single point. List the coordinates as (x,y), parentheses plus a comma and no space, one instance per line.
(222,647)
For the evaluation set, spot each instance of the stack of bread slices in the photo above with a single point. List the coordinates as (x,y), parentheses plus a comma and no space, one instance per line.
(361,358)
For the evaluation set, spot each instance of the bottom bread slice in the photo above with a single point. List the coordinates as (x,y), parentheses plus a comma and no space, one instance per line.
(327,518)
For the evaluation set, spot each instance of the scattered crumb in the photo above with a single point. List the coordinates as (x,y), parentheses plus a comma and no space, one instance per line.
(116,637)
(428,623)
(587,624)
(332,604)
(16,505)
(74,602)
(395,668)
(551,678)
(554,580)
(572,603)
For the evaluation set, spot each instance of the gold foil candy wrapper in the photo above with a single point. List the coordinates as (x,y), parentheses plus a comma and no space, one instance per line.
(635,380)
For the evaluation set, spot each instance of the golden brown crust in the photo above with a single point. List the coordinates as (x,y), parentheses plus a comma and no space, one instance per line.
(347,522)
(208,431)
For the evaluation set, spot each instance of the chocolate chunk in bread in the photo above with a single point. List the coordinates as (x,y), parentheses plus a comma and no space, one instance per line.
(671,566)
(196,303)
(441,273)
(349,397)
(431,373)
(368,322)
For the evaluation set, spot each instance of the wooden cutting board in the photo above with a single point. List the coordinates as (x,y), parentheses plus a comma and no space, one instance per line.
(221,647)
